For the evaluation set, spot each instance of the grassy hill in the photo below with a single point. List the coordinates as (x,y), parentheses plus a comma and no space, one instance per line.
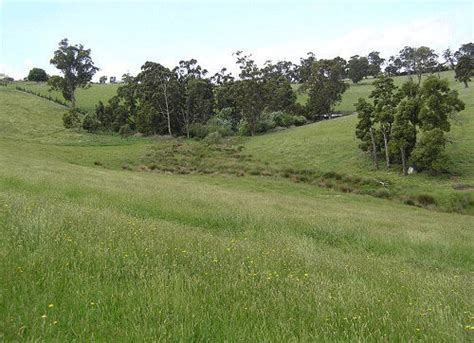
(87,98)
(94,251)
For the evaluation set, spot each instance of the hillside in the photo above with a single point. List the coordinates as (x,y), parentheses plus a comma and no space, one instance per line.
(95,252)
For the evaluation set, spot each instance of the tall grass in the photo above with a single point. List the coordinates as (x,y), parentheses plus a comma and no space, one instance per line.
(93,252)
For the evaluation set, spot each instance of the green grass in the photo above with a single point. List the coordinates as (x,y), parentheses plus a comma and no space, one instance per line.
(94,252)
(87,98)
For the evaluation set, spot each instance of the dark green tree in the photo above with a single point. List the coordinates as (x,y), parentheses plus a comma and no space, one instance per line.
(38,75)
(375,63)
(429,151)
(305,67)
(464,69)
(403,133)
(365,130)
(357,68)
(439,102)
(325,88)
(77,67)
(385,103)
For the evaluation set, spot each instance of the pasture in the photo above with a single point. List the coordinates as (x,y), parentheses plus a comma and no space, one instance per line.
(96,251)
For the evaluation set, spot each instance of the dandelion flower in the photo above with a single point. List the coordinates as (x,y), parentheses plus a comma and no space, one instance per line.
(44,316)
(50,305)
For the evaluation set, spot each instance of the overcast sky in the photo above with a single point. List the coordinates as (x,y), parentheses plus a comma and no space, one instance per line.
(125,34)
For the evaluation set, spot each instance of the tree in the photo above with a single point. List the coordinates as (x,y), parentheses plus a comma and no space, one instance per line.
(77,68)
(159,93)
(439,103)
(464,69)
(465,49)
(365,128)
(429,151)
(38,75)
(250,91)
(325,87)
(385,102)
(375,63)
(198,101)
(357,68)
(103,79)
(449,58)
(418,60)
(305,67)
(394,66)
(403,133)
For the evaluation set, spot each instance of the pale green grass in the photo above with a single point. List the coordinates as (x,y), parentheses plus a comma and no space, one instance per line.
(87,98)
(92,253)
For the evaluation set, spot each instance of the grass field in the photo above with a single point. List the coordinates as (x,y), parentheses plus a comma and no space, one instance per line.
(91,251)
(87,98)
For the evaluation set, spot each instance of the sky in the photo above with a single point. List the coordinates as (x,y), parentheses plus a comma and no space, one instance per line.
(123,35)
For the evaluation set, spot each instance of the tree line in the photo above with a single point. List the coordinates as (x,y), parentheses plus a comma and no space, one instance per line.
(187,101)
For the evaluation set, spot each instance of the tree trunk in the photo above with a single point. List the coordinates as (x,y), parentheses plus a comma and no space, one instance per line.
(385,142)
(419,78)
(404,161)
(168,117)
(374,148)
(465,84)
(73,100)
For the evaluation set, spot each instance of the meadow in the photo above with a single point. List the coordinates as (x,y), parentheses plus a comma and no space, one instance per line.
(100,245)
(87,98)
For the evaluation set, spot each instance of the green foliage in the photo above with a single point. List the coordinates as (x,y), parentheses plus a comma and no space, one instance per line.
(429,152)
(125,131)
(464,69)
(90,122)
(77,67)
(325,88)
(439,103)
(358,68)
(38,75)
(365,115)
(72,119)
(213,138)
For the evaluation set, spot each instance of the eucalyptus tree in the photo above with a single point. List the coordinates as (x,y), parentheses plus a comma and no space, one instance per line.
(464,69)
(325,87)
(385,101)
(357,68)
(77,67)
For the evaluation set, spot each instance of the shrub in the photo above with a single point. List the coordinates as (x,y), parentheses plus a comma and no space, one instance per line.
(125,131)
(425,199)
(282,119)
(90,122)
(265,123)
(72,119)
(213,138)
(429,152)
(299,120)
(460,202)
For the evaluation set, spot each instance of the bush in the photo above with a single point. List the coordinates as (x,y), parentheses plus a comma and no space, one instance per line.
(125,131)
(299,120)
(213,138)
(243,128)
(90,122)
(460,202)
(425,199)
(429,152)
(72,119)
(201,131)
(282,119)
